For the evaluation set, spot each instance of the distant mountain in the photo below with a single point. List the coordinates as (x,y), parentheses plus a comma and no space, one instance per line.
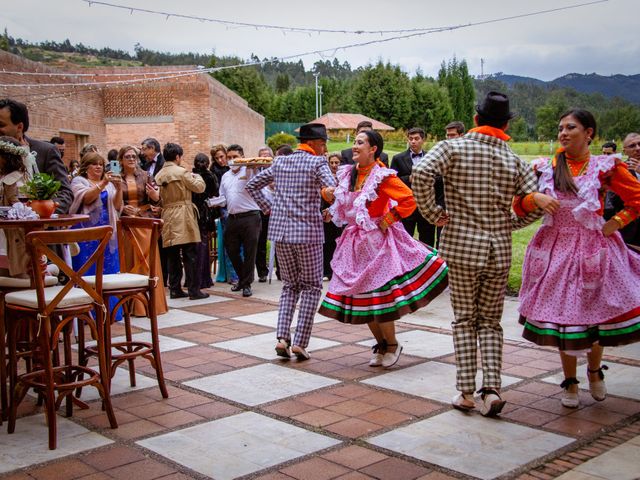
(624,86)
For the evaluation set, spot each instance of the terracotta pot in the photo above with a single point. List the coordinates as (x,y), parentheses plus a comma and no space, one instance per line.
(44,208)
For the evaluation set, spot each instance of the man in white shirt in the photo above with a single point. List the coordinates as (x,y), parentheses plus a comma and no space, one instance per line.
(243,223)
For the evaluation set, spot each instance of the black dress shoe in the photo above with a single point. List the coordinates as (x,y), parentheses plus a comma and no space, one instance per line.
(246,292)
(236,288)
(262,279)
(198,296)
(178,294)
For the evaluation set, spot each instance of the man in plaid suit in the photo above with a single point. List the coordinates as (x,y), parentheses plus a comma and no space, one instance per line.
(296,229)
(481,177)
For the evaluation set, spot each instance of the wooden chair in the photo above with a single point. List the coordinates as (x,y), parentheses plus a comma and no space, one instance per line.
(7,285)
(129,286)
(52,312)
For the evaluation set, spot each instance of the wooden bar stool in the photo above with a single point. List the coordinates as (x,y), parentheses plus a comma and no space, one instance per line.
(52,312)
(7,285)
(127,287)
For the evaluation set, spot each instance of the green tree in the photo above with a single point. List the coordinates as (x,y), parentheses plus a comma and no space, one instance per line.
(431,107)
(282,83)
(518,130)
(454,76)
(548,115)
(618,121)
(384,92)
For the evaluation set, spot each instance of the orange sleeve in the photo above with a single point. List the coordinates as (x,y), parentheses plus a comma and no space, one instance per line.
(524,205)
(392,188)
(626,186)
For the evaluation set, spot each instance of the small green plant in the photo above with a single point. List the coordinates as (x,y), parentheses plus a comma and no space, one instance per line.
(274,141)
(41,187)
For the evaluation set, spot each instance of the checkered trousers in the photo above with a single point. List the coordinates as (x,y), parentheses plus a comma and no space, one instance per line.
(295,210)
(477,297)
(301,272)
(481,176)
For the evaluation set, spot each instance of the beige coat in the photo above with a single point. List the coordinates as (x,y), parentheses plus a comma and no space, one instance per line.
(178,212)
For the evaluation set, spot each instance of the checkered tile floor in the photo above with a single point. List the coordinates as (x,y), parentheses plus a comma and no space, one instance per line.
(237,411)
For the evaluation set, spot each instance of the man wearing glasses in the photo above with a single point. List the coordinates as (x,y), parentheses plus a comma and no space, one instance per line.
(152,161)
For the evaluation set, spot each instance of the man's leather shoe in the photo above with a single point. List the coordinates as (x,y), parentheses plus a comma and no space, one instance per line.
(262,279)
(178,294)
(198,296)
(236,288)
(246,292)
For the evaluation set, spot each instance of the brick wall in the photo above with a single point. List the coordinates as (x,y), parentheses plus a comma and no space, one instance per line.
(195,111)
(71,109)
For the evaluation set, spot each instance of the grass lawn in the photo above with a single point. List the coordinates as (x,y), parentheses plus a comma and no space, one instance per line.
(520,240)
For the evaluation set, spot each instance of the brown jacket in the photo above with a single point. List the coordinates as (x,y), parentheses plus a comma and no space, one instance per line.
(178,212)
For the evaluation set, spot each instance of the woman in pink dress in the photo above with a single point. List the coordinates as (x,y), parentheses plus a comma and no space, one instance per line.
(380,272)
(580,283)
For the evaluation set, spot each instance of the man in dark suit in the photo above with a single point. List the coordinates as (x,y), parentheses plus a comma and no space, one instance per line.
(152,161)
(403,164)
(347,153)
(14,122)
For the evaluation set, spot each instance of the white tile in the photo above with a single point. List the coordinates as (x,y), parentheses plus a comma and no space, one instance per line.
(622,380)
(620,463)
(471,444)
(632,351)
(29,444)
(238,445)
(260,384)
(422,344)
(120,384)
(173,318)
(185,302)
(270,319)
(263,345)
(433,380)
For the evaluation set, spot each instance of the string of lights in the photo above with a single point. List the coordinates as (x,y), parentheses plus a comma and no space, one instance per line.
(168,75)
(262,26)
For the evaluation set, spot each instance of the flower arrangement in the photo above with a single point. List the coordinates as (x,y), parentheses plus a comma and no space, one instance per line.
(12,149)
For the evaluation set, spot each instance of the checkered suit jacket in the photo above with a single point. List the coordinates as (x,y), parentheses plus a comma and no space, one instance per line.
(295,209)
(481,177)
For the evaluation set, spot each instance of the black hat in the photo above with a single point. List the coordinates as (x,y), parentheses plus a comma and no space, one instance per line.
(495,106)
(313,131)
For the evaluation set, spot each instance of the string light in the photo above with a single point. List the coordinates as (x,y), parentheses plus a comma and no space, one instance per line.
(264,26)
(169,75)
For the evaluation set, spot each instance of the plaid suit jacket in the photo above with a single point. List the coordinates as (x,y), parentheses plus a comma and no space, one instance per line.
(295,208)
(481,176)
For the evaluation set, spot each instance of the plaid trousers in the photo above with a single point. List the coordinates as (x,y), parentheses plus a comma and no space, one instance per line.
(301,271)
(477,297)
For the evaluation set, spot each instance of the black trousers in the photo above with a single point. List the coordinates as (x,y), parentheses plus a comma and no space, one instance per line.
(426,230)
(179,256)
(331,233)
(261,253)
(243,232)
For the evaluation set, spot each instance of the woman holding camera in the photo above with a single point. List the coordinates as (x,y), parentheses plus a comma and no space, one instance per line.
(141,198)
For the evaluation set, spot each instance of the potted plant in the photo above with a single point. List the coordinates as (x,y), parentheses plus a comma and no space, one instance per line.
(40,191)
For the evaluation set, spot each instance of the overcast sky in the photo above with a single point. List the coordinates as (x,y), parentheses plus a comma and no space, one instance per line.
(601,38)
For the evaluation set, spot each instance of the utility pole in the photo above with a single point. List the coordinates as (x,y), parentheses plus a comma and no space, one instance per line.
(320,99)
(317,74)
(482,68)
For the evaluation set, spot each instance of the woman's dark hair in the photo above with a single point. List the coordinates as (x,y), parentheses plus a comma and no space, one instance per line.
(112,154)
(201,161)
(12,161)
(375,140)
(284,149)
(172,151)
(562,178)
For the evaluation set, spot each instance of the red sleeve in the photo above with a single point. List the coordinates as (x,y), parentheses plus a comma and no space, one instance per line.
(523,205)
(392,188)
(626,186)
